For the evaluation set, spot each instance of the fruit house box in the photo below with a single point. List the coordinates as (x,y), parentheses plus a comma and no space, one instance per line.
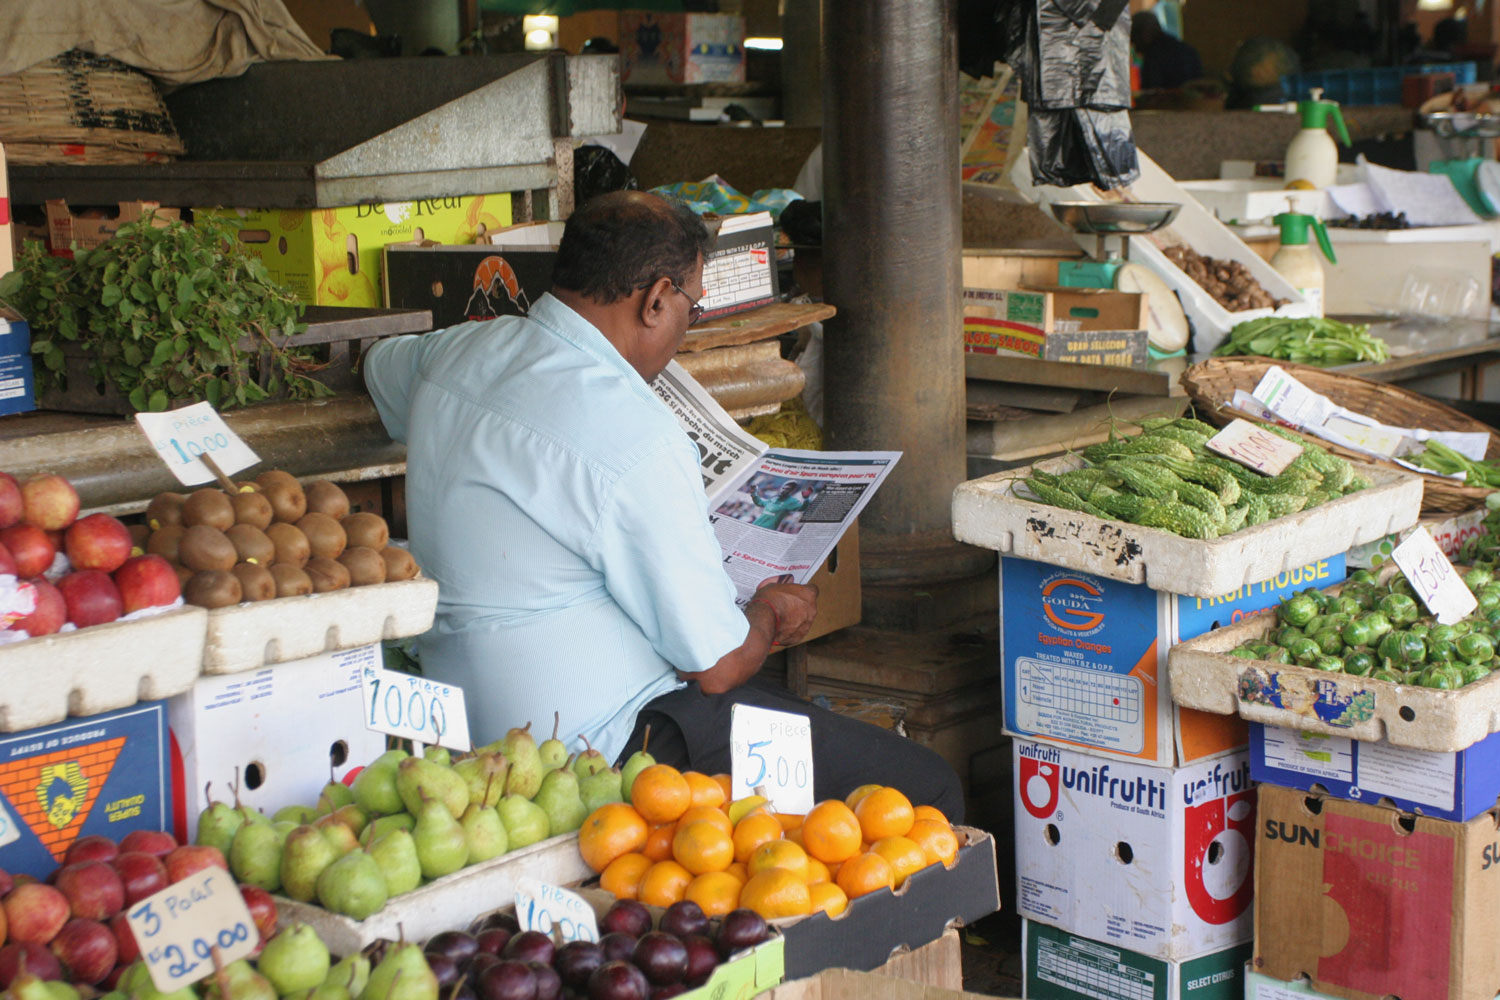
(1157,861)
(1083,659)
(1063,966)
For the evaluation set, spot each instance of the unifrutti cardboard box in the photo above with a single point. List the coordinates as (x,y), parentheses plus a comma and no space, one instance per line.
(104,774)
(1146,858)
(1059,965)
(660,49)
(1366,903)
(1080,326)
(1083,659)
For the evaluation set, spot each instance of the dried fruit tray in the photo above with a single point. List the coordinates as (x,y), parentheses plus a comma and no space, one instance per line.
(251,636)
(988,513)
(101,668)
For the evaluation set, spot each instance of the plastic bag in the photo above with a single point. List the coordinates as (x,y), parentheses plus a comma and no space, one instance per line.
(597,171)
(1082,146)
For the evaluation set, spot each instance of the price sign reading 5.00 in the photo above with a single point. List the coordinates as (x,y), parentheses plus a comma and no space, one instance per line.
(179,928)
(415,708)
(771,750)
(180,437)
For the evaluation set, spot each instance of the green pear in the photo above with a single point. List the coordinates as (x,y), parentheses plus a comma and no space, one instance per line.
(418,779)
(218,823)
(61,991)
(600,788)
(484,776)
(589,762)
(339,836)
(306,854)
(351,816)
(334,795)
(553,753)
(396,854)
(137,985)
(352,886)
(525,822)
(392,757)
(323,991)
(114,995)
(284,829)
(238,981)
(294,960)
(352,974)
(560,800)
(484,833)
(383,825)
(438,755)
(296,815)
(402,975)
(441,846)
(638,762)
(374,789)
(28,987)
(255,856)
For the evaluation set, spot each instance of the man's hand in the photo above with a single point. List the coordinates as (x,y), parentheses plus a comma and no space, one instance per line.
(795,605)
(789,605)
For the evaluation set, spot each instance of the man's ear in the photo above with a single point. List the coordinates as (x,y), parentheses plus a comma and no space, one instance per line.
(654,302)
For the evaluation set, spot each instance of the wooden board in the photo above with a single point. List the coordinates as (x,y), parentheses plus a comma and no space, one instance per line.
(757,324)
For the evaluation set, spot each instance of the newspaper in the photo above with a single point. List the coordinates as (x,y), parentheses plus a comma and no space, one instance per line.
(777,514)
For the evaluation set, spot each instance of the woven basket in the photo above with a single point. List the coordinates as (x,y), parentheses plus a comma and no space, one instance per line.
(1211,385)
(83,108)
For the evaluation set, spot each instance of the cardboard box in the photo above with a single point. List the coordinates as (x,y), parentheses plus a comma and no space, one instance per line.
(105,774)
(1367,904)
(1456,786)
(17,385)
(67,232)
(1450,531)
(1083,659)
(1063,966)
(882,984)
(462,283)
(279,730)
(661,49)
(1142,857)
(1259,987)
(839,590)
(1081,326)
(332,256)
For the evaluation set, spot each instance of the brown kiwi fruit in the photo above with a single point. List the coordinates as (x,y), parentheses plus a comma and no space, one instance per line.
(164,509)
(274,476)
(256,582)
(247,486)
(399,564)
(364,565)
(139,536)
(203,548)
(291,544)
(288,502)
(252,545)
(290,581)
(208,506)
(324,535)
(252,509)
(369,530)
(327,574)
(167,542)
(324,497)
(213,589)
(183,575)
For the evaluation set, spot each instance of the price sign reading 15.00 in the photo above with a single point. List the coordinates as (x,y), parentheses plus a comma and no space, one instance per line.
(1434,579)
(415,708)
(771,750)
(179,928)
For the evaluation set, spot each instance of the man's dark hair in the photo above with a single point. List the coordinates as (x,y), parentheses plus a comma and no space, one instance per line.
(625,240)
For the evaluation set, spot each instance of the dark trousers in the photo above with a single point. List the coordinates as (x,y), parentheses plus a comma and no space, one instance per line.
(690,731)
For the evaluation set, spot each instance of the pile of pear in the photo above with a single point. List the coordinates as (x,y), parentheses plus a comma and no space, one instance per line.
(407,820)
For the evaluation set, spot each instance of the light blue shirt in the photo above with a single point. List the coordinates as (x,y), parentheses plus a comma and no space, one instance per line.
(560,508)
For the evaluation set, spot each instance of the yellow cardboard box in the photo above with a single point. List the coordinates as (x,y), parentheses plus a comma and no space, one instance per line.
(331,256)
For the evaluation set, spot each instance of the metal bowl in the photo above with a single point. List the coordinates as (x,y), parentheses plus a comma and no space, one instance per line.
(1110,217)
(1462,124)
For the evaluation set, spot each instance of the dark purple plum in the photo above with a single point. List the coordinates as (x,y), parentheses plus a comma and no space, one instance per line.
(662,957)
(462,990)
(626,917)
(479,963)
(507,981)
(668,991)
(548,982)
(576,961)
(455,944)
(618,981)
(444,968)
(493,940)
(504,921)
(740,929)
(617,947)
(684,918)
(530,946)
(703,959)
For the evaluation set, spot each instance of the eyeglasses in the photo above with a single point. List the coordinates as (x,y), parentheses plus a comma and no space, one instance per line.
(695,311)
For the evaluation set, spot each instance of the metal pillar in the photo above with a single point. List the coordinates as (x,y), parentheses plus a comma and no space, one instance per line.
(892,245)
(802,62)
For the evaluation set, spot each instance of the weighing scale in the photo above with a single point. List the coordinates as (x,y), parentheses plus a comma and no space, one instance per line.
(1112,223)
(1477,178)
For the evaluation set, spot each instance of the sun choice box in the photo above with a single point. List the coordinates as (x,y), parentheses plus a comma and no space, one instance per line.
(1456,786)
(332,256)
(279,731)
(1088,327)
(660,49)
(1146,858)
(1368,903)
(105,774)
(1084,659)
(1058,965)
(1259,987)
(17,388)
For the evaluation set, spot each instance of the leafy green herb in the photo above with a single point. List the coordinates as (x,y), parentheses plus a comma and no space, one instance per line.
(1308,341)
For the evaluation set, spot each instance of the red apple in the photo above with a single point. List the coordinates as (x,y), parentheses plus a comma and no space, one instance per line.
(50,502)
(262,910)
(92,597)
(191,859)
(6,882)
(95,847)
(29,545)
(7,562)
(11,506)
(111,981)
(93,888)
(35,912)
(153,842)
(147,582)
(97,542)
(50,613)
(141,874)
(129,951)
(36,958)
(86,949)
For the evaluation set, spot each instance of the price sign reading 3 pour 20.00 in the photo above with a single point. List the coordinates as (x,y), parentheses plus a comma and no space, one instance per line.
(179,928)
(1434,579)
(181,436)
(415,708)
(773,751)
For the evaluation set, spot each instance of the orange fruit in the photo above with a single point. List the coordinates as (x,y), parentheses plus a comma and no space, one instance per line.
(789,821)
(659,842)
(775,893)
(622,876)
(930,813)
(709,814)
(905,856)
(739,871)
(860,875)
(779,854)
(795,836)
(716,892)
(885,812)
(726,783)
(831,832)
(853,797)
(754,830)
(827,898)
(938,842)
(817,872)
(661,794)
(663,884)
(704,791)
(610,831)
(703,847)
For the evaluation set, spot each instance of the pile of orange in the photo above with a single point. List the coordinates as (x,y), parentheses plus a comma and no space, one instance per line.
(682,838)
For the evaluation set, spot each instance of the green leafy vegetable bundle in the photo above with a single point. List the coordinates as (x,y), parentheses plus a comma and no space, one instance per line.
(1440,458)
(1309,341)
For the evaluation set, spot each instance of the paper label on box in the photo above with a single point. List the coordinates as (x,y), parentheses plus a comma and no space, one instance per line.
(1275,991)
(1433,578)
(415,708)
(1076,967)
(1321,697)
(1417,775)
(1079,704)
(772,750)
(1328,757)
(1255,447)
(180,436)
(547,908)
(9,831)
(179,928)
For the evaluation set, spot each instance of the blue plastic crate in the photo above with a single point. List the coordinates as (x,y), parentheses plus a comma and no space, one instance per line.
(1364,87)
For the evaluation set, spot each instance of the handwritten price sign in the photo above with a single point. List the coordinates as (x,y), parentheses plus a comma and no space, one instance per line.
(415,708)
(1434,579)
(772,750)
(181,436)
(546,908)
(1255,447)
(179,928)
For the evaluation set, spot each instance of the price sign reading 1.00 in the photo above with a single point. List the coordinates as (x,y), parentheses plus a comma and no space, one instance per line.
(181,437)
(180,928)
(773,751)
(415,708)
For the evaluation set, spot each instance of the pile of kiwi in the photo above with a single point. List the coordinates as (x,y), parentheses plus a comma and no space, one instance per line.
(273,538)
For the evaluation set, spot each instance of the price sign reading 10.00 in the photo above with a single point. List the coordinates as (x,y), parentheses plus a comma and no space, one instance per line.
(773,751)
(415,708)
(181,437)
(547,908)
(180,928)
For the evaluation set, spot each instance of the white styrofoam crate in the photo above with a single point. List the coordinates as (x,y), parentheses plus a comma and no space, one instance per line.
(99,668)
(249,636)
(1252,200)
(988,513)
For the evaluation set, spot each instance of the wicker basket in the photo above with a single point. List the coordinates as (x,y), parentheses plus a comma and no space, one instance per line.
(1211,384)
(83,108)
